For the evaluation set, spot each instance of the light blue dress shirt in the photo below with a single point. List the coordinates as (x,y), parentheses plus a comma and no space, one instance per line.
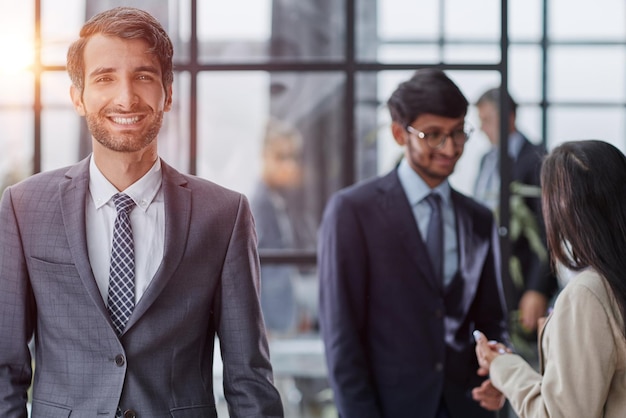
(416,191)
(487,187)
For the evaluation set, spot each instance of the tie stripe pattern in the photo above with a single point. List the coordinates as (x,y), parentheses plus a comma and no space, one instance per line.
(434,236)
(121,297)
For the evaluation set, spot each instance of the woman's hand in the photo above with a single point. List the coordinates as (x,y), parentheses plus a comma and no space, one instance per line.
(486,394)
(486,351)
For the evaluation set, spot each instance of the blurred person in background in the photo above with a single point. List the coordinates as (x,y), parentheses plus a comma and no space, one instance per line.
(281,227)
(533,285)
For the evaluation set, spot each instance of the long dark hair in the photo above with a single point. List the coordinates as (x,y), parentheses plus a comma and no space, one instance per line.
(584,207)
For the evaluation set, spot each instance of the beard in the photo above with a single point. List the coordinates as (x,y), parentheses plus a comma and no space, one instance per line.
(123,142)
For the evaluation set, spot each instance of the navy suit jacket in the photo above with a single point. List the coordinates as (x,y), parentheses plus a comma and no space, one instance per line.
(396,343)
(162,365)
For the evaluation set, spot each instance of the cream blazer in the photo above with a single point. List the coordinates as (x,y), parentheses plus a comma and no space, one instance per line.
(582,354)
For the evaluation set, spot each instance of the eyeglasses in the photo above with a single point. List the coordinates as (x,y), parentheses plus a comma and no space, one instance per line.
(437,139)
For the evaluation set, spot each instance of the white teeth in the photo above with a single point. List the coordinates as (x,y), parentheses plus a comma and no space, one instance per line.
(126,121)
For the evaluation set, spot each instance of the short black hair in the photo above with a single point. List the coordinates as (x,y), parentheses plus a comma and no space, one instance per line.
(429,90)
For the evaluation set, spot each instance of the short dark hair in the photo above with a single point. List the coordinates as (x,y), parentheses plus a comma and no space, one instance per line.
(126,23)
(493,96)
(429,90)
(584,207)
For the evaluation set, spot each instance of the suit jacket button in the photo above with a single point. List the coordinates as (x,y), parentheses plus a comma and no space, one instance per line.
(438,367)
(119,360)
(130,414)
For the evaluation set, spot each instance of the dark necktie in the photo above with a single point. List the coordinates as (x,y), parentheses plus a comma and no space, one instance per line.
(434,235)
(121,298)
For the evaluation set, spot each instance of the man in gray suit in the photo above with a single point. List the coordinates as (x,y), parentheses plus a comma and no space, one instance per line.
(191,242)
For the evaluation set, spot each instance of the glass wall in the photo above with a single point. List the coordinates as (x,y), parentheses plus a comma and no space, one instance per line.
(323,71)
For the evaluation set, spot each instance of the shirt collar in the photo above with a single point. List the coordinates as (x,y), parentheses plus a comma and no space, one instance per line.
(142,191)
(416,188)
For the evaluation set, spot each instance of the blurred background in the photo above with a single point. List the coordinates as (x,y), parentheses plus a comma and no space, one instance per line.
(320,71)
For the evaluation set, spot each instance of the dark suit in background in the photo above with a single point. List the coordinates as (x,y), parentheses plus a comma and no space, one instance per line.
(525,168)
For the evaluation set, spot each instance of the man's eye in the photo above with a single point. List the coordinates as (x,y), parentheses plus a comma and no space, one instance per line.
(432,135)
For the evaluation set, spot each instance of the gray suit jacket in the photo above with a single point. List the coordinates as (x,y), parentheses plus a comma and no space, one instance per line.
(206,285)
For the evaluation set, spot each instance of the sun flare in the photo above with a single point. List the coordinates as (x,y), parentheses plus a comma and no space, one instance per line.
(17,54)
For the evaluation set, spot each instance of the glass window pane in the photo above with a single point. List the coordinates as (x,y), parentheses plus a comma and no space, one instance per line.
(386,30)
(525,19)
(568,124)
(55,89)
(477,19)
(427,53)
(285,30)
(60,24)
(17,88)
(230,126)
(584,20)
(234,108)
(16,38)
(586,73)
(16,142)
(525,70)
(398,19)
(473,54)
(60,124)
(62,19)
(528,121)
(174,138)
(59,138)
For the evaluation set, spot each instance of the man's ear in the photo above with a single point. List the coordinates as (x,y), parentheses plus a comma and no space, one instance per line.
(399,133)
(168,99)
(77,100)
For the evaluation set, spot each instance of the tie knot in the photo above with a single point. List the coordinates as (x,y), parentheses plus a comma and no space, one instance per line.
(434,200)
(123,202)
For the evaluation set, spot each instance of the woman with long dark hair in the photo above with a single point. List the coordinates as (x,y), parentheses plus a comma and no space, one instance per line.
(583,342)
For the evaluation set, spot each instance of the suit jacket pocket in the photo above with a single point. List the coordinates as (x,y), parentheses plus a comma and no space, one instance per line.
(48,410)
(199,411)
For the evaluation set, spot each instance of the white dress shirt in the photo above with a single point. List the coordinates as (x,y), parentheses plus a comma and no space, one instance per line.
(147,220)
(416,191)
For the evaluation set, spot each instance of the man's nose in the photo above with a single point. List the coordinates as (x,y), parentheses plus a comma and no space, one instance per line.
(126,95)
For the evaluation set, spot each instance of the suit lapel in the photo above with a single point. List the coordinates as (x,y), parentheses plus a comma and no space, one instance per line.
(472,248)
(463,229)
(73,195)
(177,201)
(399,214)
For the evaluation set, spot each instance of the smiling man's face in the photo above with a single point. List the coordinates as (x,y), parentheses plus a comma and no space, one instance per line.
(123,99)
